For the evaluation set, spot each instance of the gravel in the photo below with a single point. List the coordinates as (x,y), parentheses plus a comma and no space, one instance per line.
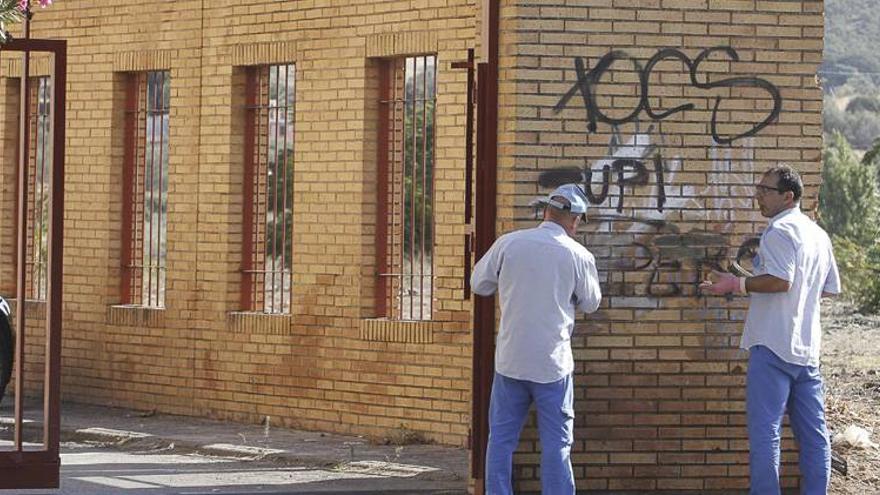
(851,367)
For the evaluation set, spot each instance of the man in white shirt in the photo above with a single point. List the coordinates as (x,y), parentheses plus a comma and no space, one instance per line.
(542,276)
(794,269)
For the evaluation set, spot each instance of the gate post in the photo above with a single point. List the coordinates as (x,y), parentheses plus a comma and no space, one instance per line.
(39,467)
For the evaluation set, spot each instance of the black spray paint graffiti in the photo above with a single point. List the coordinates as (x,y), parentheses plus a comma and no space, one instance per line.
(587,80)
(627,171)
(667,250)
(657,246)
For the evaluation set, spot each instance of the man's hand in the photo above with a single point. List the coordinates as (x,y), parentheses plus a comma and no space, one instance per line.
(725,283)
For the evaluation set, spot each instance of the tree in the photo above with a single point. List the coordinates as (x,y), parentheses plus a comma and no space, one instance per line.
(848,201)
(849,209)
(12,11)
(873,154)
(858,123)
(863,103)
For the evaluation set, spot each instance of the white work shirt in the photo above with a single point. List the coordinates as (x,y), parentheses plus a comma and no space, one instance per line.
(542,275)
(795,249)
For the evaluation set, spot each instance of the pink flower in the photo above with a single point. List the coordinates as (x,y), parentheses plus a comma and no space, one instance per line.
(24,4)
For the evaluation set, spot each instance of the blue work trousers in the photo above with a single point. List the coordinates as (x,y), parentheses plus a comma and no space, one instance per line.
(774,386)
(509,405)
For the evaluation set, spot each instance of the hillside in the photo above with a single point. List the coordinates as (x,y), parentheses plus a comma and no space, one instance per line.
(852,41)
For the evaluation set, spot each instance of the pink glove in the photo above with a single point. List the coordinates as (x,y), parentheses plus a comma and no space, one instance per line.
(726,283)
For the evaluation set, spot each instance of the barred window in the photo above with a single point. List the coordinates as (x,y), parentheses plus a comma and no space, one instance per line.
(405,210)
(267,235)
(145,188)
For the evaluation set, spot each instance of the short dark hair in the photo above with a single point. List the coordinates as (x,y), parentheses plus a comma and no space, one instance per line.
(789,180)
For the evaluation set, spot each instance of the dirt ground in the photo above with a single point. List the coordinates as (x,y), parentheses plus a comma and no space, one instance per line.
(851,367)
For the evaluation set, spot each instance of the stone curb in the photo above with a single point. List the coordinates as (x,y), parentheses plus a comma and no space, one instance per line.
(146,442)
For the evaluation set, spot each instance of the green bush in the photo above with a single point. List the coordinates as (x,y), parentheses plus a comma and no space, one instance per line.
(849,209)
(860,273)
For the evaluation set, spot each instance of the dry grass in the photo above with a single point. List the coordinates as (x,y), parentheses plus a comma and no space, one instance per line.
(851,367)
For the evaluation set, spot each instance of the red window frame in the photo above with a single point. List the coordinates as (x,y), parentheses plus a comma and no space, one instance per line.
(405,219)
(267,233)
(145,188)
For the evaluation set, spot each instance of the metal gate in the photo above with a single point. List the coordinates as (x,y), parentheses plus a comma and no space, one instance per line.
(36,464)
(480,217)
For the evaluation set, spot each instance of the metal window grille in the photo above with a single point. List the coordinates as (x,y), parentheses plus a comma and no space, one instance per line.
(267,251)
(405,223)
(145,183)
(39,186)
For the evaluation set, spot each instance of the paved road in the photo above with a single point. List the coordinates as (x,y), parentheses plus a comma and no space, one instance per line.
(90,468)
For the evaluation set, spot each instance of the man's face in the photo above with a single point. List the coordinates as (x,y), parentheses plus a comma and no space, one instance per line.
(770,199)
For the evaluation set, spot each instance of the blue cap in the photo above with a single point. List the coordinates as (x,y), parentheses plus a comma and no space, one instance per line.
(577,200)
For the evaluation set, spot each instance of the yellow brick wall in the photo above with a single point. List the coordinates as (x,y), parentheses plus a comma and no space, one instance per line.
(328,365)
(659,379)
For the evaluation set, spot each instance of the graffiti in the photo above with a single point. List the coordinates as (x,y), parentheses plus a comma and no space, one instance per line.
(587,80)
(702,249)
(674,257)
(667,250)
(627,164)
(629,172)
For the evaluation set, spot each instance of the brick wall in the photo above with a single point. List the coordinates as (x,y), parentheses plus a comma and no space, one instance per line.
(659,378)
(328,365)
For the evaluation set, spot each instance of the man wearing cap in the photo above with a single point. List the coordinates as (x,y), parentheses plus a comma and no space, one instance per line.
(542,276)
(794,269)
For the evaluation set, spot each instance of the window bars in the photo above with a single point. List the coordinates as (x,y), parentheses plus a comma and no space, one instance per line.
(145,188)
(268,189)
(39,186)
(405,218)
